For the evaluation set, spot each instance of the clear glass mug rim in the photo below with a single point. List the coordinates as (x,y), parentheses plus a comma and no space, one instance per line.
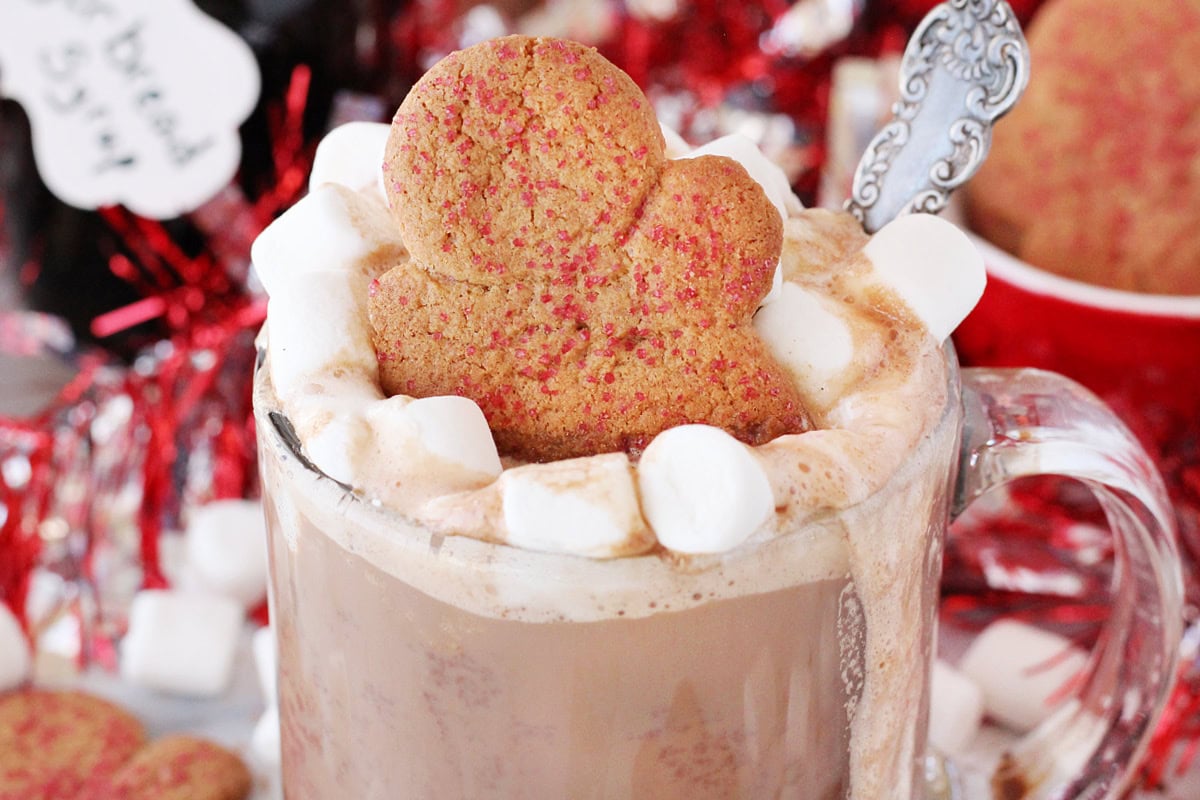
(356,508)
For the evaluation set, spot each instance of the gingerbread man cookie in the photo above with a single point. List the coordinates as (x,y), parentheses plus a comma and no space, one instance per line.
(68,745)
(178,768)
(55,744)
(584,290)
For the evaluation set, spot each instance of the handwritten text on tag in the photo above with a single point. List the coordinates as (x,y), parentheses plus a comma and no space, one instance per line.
(134,102)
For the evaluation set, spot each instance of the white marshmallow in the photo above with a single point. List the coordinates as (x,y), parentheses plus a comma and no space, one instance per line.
(806,337)
(332,426)
(331,229)
(59,652)
(743,150)
(173,560)
(16,661)
(451,430)
(318,330)
(263,647)
(227,549)
(932,266)
(675,146)
(455,430)
(336,445)
(1024,672)
(584,506)
(47,593)
(264,740)
(181,642)
(352,155)
(956,709)
(765,172)
(702,490)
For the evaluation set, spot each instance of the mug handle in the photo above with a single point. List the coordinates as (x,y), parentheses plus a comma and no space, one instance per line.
(1023,422)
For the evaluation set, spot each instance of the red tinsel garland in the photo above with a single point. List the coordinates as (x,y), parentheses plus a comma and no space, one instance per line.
(116,460)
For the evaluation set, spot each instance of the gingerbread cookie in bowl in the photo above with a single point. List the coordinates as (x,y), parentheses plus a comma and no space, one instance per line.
(1095,175)
(584,290)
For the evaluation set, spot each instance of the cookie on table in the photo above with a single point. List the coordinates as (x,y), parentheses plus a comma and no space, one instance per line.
(583,289)
(1095,175)
(178,768)
(54,743)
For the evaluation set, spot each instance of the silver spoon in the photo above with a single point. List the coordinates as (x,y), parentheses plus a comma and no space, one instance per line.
(965,66)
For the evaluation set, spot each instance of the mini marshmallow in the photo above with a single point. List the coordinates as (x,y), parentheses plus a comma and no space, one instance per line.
(181,642)
(455,430)
(932,266)
(263,647)
(331,423)
(16,661)
(264,740)
(227,549)
(450,429)
(956,709)
(675,146)
(702,490)
(331,229)
(1024,672)
(583,506)
(806,337)
(765,172)
(46,594)
(743,150)
(317,330)
(352,155)
(59,652)
(335,445)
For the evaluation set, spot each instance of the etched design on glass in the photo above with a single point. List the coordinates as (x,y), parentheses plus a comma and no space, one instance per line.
(965,67)
(851,636)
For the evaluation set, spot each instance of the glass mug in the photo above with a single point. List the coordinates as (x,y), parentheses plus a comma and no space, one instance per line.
(416,665)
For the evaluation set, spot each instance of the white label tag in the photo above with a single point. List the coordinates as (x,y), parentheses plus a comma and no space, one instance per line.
(134,102)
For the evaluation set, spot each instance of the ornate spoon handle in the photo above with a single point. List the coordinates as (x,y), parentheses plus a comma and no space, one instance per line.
(965,66)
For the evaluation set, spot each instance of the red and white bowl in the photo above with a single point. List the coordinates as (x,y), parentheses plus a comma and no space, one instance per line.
(1140,352)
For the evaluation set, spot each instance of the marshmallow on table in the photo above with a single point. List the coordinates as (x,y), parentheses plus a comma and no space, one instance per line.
(702,490)
(15,659)
(181,642)
(932,266)
(584,506)
(1024,672)
(227,549)
(955,709)
(352,155)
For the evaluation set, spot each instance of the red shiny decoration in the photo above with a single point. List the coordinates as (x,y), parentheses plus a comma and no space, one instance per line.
(180,430)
